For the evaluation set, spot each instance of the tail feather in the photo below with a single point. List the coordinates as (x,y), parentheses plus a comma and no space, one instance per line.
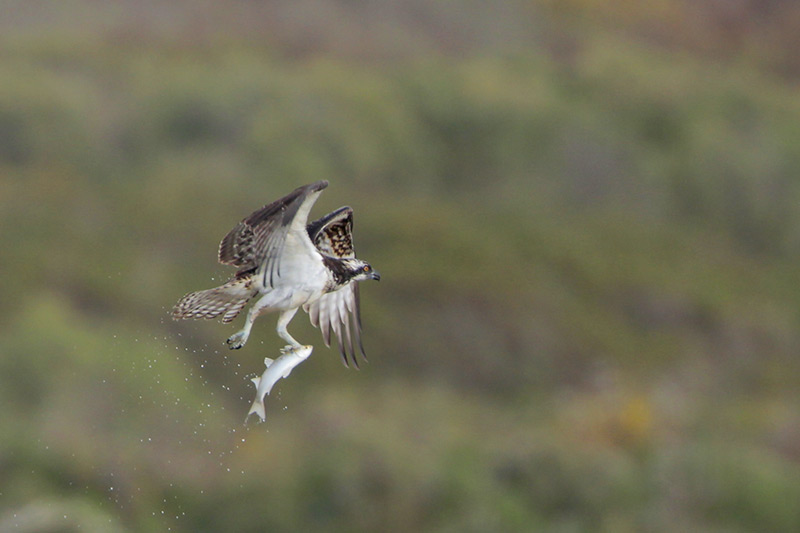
(226,300)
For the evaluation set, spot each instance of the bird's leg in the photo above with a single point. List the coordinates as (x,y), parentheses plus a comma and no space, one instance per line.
(283,321)
(238,339)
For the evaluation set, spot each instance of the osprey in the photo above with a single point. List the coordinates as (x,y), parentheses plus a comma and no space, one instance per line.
(291,264)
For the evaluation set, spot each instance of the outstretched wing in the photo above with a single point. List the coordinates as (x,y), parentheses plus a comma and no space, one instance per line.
(333,233)
(257,241)
(338,310)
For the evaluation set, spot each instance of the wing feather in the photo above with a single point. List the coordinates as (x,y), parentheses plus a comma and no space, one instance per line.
(339,311)
(333,234)
(335,318)
(324,321)
(313,315)
(348,339)
(257,241)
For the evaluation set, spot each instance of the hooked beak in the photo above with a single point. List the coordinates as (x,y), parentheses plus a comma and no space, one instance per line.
(375,275)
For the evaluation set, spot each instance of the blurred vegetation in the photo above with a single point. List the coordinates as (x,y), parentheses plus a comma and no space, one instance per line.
(586,220)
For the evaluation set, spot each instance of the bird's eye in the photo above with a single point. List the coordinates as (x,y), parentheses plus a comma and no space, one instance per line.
(366,268)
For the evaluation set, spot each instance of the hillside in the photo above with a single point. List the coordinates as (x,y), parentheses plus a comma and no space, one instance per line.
(587,232)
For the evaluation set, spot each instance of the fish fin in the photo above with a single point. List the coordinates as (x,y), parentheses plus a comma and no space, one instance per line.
(268,361)
(257,408)
(256,380)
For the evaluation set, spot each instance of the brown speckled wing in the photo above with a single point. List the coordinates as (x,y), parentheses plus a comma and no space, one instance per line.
(333,234)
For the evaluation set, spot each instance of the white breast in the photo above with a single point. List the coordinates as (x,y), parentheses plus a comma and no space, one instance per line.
(302,276)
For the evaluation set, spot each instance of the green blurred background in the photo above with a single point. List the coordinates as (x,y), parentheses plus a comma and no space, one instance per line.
(587,219)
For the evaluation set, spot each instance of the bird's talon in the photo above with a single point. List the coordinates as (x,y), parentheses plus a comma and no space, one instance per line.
(236,341)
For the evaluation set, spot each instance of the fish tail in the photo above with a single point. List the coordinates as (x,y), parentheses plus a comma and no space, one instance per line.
(258,404)
(257,408)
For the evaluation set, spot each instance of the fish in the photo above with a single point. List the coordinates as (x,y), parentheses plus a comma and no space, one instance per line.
(276,369)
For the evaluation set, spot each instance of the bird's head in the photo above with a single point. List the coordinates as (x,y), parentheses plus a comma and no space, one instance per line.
(361,270)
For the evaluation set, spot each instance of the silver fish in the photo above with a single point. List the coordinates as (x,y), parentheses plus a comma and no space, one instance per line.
(276,369)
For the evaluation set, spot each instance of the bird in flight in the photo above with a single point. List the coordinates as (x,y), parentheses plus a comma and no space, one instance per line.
(290,264)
